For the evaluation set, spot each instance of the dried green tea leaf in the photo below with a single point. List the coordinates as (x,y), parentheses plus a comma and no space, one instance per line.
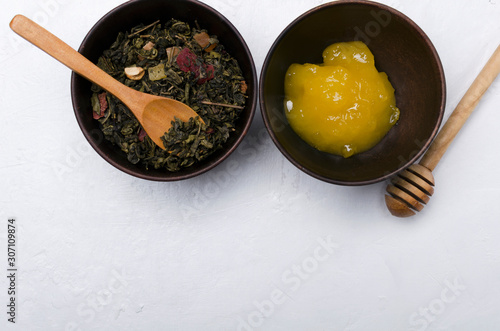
(174,77)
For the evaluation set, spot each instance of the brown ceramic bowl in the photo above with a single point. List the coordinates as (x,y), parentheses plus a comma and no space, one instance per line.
(401,49)
(133,13)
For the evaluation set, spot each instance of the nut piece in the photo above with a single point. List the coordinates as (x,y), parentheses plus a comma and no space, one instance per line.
(134,73)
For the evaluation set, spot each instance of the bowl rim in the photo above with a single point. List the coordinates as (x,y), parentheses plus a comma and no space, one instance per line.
(250,106)
(375,5)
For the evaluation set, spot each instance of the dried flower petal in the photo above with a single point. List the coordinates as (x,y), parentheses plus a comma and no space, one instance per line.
(103,102)
(142,134)
(187,60)
(243,87)
(99,105)
(209,73)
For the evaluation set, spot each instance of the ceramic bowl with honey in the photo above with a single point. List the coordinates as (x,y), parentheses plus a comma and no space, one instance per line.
(402,52)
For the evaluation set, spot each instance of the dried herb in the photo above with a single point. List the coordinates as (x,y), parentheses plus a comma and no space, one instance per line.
(182,63)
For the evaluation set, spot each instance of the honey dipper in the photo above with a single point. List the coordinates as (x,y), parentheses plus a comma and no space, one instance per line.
(411,189)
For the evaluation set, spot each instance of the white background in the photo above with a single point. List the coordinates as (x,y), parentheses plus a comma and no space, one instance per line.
(261,247)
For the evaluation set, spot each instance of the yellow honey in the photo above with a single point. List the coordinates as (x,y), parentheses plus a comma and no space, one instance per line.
(343,106)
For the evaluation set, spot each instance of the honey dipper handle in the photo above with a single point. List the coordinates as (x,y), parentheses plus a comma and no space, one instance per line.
(462,111)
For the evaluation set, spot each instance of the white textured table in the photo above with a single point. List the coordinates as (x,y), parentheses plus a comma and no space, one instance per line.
(259,246)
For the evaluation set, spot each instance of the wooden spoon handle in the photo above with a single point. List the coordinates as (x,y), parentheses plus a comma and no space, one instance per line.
(462,111)
(62,52)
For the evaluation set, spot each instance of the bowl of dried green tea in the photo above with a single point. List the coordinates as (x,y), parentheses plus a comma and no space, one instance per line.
(181,49)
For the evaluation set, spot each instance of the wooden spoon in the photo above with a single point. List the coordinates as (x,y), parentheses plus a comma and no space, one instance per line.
(412,188)
(154,113)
